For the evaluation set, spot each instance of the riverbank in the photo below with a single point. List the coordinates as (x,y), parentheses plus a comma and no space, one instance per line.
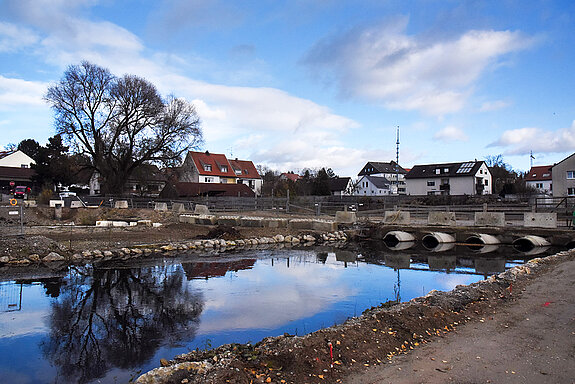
(373,347)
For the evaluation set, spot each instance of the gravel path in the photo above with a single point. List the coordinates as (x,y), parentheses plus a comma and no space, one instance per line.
(530,340)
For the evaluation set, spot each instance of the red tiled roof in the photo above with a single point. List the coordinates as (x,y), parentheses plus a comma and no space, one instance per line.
(207,160)
(291,176)
(539,173)
(245,169)
(184,189)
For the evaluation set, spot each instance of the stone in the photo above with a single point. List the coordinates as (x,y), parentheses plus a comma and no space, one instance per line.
(4,259)
(34,257)
(53,256)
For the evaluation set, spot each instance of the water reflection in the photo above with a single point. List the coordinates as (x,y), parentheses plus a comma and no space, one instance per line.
(108,318)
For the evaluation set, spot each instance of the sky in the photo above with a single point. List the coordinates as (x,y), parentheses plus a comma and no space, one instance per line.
(321,83)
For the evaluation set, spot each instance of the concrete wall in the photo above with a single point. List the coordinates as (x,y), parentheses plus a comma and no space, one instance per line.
(490,219)
(540,220)
(397,217)
(441,218)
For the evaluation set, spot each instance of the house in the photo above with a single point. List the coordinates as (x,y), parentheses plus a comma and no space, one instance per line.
(11,177)
(290,176)
(247,174)
(213,168)
(340,186)
(146,180)
(540,179)
(563,177)
(469,178)
(392,171)
(206,167)
(187,189)
(368,185)
(15,159)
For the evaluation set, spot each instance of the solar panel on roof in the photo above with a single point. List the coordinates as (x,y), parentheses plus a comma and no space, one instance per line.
(465,167)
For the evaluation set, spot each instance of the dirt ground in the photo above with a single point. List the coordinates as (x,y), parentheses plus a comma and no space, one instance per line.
(518,327)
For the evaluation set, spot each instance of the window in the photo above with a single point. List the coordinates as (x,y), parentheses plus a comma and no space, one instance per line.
(208,167)
(546,175)
(209,179)
(431,183)
(571,174)
(445,170)
(486,182)
(539,185)
(571,191)
(224,168)
(437,171)
(23,165)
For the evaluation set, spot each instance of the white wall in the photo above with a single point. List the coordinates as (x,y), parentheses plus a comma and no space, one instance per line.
(17,159)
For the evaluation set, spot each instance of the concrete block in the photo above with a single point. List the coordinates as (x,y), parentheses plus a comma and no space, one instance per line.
(397,217)
(490,219)
(144,223)
(540,220)
(275,223)
(178,207)
(251,222)
(30,203)
(231,221)
(161,207)
(206,220)
(201,209)
(76,204)
(300,224)
(187,219)
(54,203)
(121,204)
(324,225)
(345,217)
(120,224)
(441,218)
(103,223)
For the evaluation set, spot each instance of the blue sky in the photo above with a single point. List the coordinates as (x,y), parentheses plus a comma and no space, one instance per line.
(309,84)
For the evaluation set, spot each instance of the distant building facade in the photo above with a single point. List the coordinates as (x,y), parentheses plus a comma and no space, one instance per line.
(393,172)
(469,178)
(540,178)
(563,177)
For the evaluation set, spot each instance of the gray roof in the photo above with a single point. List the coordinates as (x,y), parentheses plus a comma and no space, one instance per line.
(379,182)
(375,167)
(337,184)
(468,168)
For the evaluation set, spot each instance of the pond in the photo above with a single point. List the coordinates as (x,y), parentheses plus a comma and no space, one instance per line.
(110,322)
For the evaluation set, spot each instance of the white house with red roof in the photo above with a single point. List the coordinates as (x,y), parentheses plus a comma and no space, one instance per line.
(207,167)
(540,178)
(247,174)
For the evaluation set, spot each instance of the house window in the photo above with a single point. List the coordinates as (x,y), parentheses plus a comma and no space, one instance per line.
(571,174)
(23,165)
(486,182)
(546,175)
(445,170)
(539,185)
(207,167)
(571,191)
(431,183)
(437,171)
(209,179)
(224,168)
(224,181)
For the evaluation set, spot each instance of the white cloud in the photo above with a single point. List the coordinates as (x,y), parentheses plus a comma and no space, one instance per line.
(412,73)
(18,93)
(494,105)
(524,140)
(13,37)
(450,133)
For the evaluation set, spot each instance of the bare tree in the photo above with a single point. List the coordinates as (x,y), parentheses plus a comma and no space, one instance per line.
(121,123)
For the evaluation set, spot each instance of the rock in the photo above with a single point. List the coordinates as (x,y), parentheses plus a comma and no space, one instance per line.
(53,256)
(34,257)
(279,238)
(4,259)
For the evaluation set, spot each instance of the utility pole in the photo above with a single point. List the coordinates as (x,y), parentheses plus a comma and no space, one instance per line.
(397,161)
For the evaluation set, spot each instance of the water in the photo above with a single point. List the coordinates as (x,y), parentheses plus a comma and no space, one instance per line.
(111,322)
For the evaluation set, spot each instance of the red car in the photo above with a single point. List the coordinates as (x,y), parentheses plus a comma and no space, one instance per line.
(20,192)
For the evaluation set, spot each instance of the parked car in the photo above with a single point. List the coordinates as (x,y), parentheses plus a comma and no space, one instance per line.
(21,192)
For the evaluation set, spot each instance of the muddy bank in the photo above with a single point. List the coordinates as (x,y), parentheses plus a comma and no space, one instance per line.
(374,339)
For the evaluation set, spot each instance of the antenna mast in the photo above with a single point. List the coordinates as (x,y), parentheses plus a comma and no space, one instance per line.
(397,161)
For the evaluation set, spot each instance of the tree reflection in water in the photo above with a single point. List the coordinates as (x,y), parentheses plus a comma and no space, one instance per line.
(106,318)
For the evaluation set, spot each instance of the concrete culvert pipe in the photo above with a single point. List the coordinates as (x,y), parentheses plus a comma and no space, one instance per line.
(432,240)
(528,243)
(393,238)
(570,244)
(482,242)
